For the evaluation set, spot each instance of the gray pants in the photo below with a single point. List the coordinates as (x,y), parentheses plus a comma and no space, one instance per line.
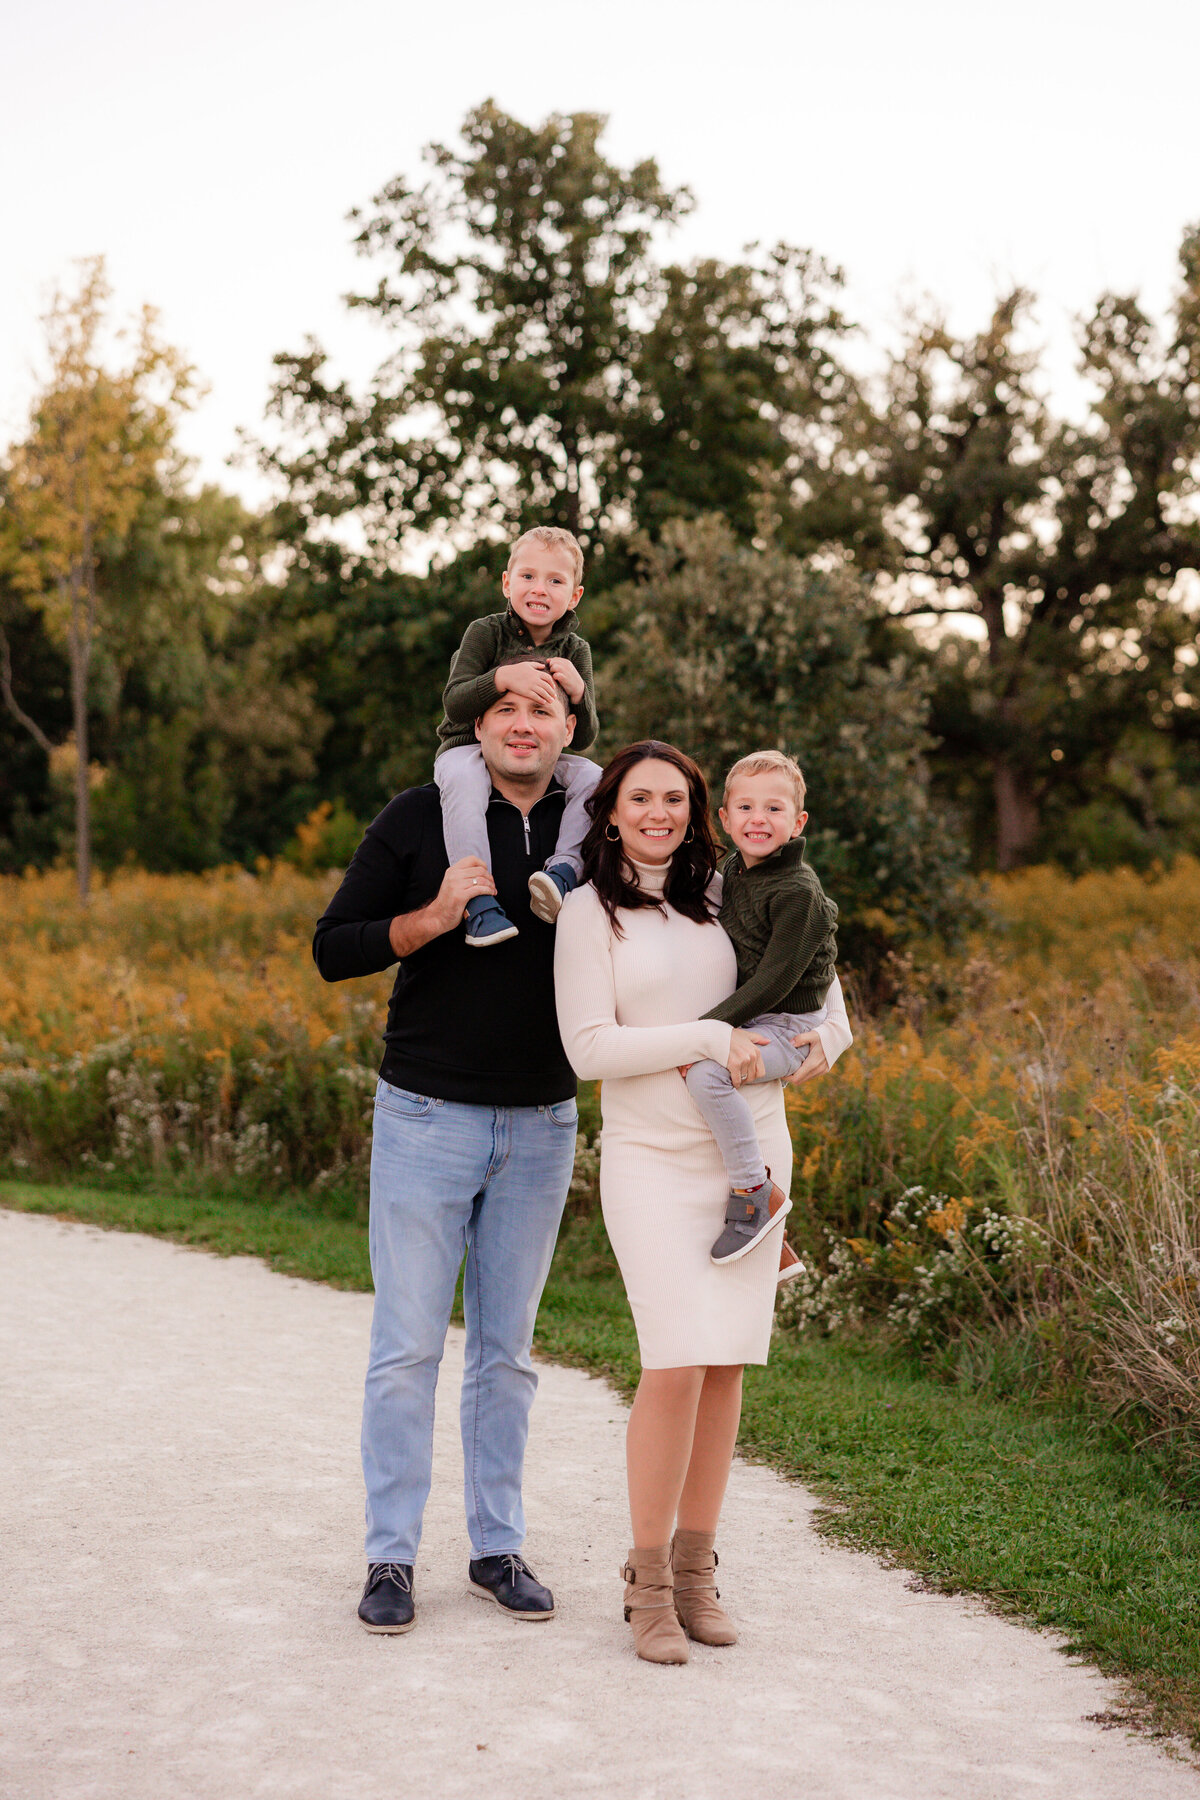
(465,787)
(726,1110)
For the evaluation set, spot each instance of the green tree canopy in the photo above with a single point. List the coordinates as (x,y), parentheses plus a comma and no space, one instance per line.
(731,648)
(1065,540)
(548,367)
(72,488)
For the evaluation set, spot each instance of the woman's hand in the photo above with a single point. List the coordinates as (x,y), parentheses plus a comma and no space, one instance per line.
(815,1063)
(744,1061)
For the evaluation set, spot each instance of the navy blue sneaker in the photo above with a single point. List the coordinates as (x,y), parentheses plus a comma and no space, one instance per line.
(512,1584)
(487,923)
(387,1602)
(548,888)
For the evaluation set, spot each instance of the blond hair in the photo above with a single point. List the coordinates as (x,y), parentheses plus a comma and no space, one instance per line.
(768,762)
(552,537)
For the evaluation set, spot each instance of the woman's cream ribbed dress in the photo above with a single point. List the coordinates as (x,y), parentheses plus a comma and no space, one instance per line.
(629,1010)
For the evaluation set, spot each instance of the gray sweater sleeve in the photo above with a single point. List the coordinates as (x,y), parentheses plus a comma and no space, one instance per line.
(798,923)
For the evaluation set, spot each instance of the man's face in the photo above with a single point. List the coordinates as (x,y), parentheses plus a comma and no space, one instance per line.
(522,739)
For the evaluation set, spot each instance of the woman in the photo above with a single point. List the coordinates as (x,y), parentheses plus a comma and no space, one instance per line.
(639,959)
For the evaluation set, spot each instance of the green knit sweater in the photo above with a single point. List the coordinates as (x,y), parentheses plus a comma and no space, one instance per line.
(504,638)
(783,927)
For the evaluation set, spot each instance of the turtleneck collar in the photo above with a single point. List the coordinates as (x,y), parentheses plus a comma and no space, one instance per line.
(787,856)
(650,877)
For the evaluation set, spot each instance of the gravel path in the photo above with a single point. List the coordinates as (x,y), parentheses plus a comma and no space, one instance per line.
(180,1522)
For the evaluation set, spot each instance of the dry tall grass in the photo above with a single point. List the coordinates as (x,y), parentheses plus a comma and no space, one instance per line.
(179,1028)
(1059,1095)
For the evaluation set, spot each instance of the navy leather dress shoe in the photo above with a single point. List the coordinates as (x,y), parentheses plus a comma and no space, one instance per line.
(387,1602)
(511,1583)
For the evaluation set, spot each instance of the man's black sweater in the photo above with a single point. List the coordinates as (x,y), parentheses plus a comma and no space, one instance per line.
(463,1024)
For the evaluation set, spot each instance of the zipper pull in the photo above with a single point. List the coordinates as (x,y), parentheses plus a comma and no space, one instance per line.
(525,822)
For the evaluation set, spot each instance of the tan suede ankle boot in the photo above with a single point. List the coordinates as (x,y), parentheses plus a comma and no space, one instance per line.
(694,1566)
(650,1606)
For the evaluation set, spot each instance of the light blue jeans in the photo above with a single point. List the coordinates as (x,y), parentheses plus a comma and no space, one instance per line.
(448,1178)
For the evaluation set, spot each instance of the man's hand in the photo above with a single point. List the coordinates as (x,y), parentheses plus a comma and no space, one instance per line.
(815,1063)
(567,677)
(534,680)
(744,1061)
(465,880)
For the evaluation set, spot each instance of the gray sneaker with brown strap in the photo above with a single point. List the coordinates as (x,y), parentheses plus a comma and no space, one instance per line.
(749,1218)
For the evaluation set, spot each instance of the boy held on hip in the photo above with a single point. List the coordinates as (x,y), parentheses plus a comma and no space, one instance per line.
(531,650)
(783,928)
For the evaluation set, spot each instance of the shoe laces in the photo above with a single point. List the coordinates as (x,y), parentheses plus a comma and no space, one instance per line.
(515,1565)
(390,1572)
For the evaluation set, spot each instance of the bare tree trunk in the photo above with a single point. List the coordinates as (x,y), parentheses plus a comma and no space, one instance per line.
(10,699)
(571,502)
(1016,816)
(79,641)
(1017,813)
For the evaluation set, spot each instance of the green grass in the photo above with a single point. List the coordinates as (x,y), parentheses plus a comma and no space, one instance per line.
(1032,1507)
(290,1237)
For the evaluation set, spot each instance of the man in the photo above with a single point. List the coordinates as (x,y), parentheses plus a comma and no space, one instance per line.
(474,1142)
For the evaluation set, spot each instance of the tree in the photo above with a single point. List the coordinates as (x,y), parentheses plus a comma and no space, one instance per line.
(1064,540)
(731,648)
(30,820)
(547,367)
(72,489)
(202,735)
(740,386)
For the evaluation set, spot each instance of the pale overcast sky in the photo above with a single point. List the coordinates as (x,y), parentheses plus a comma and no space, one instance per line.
(930,146)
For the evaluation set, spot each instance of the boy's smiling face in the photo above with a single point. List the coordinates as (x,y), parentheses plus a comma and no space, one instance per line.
(760,815)
(540,587)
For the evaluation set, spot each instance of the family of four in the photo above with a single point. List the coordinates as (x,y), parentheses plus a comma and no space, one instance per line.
(552,921)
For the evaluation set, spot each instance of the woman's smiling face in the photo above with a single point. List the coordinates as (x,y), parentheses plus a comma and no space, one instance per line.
(653,811)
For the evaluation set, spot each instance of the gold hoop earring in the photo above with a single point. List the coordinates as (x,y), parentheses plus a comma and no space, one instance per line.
(614,837)
(690,835)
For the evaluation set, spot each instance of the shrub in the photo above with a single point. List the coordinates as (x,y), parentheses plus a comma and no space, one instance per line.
(728,649)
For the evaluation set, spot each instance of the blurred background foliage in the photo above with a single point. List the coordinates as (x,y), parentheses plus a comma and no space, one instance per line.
(974,620)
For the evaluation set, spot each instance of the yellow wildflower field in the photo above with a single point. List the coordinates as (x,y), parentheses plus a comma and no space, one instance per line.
(1084,994)
(1038,1088)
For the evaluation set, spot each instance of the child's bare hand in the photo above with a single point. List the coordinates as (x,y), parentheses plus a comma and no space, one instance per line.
(567,677)
(533,680)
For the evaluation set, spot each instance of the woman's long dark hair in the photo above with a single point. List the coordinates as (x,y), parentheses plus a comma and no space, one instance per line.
(605,864)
